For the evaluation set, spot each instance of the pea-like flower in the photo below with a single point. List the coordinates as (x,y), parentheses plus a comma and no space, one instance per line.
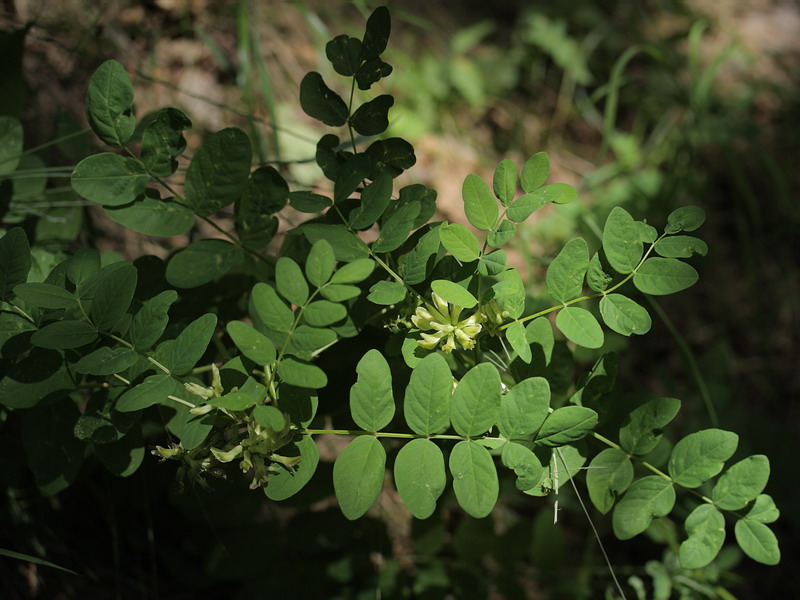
(448,328)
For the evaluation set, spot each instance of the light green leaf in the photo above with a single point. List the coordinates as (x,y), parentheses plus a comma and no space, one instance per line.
(509,292)
(290,281)
(64,335)
(109,104)
(371,399)
(522,207)
(525,464)
(565,274)
(660,276)
(321,102)
(608,476)
(113,297)
(479,204)
(648,498)
(764,510)
(757,541)
(346,245)
(15,261)
(566,425)
(270,309)
(46,295)
(153,390)
(395,229)
(336,292)
(237,401)
(535,172)
(475,406)
(596,277)
(219,172)
(644,427)
(681,246)
(493,263)
(516,336)
(621,243)
(427,400)
(181,354)
(419,262)
(623,315)
(354,272)
(741,483)
(706,529)
(253,344)
(557,193)
(647,233)
(285,484)
(153,216)
(308,339)
(686,218)
(420,476)
(150,322)
(539,332)
(109,179)
(524,408)
(374,200)
(192,430)
(320,263)
(565,462)
(580,326)
(459,241)
(323,313)
(453,293)
(501,234)
(504,182)
(302,374)
(358,475)
(701,455)
(202,262)
(386,293)
(107,361)
(474,478)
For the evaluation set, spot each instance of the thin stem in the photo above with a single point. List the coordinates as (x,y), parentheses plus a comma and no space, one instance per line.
(182,401)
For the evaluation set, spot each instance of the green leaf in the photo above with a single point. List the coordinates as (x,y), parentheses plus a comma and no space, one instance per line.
(83,264)
(474,478)
(648,498)
(686,218)
(681,246)
(706,529)
(493,263)
(124,457)
(344,52)
(107,361)
(621,243)
(354,272)
(185,350)
(11,142)
(566,425)
(387,293)
(757,541)
(371,399)
(420,476)
(419,262)
(266,194)
(701,455)
(346,245)
(302,374)
(608,476)
(509,292)
(647,233)
(535,172)
(501,234)
(371,72)
(39,376)
(741,483)
(660,276)
(320,263)
(565,274)
(33,559)
(109,179)
(109,104)
(202,262)
(395,229)
(237,401)
(459,241)
(524,408)
(597,277)
(64,335)
(523,206)
(524,463)
(623,315)
(53,452)
(270,417)
(376,36)
(557,193)
(163,142)
(392,155)
(15,261)
(516,336)
(580,326)
(642,431)
(479,203)
(219,172)
(475,406)
(372,118)
(149,323)
(358,475)
(565,462)
(427,400)
(374,199)
(764,510)
(46,295)
(290,281)
(253,344)
(323,313)
(309,339)
(309,202)
(504,182)
(337,292)
(113,296)
(153,390)
(192,430)
(321,102)
(285,484)
(153,216)
(270,309)
(453,293)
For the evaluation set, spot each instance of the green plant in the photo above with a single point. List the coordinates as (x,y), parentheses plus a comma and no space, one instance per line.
(212,354)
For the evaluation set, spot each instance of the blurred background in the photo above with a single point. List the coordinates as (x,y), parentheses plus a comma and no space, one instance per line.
(649,105)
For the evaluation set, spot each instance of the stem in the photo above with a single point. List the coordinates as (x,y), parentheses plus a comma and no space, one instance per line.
(130,346)
(182,401)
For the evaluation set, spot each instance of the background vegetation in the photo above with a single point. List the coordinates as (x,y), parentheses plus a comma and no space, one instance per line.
(646,105)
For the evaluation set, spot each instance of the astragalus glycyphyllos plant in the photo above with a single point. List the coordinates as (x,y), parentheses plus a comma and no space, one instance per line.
(216,347)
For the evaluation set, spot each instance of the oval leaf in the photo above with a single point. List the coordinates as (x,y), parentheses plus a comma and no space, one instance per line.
(420,476)
(358,475)
(371,399)
(474,478)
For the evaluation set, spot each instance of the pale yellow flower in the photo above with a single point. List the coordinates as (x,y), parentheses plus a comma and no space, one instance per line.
(441,323)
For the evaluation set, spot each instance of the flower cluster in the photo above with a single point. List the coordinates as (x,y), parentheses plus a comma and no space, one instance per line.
(447,326)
